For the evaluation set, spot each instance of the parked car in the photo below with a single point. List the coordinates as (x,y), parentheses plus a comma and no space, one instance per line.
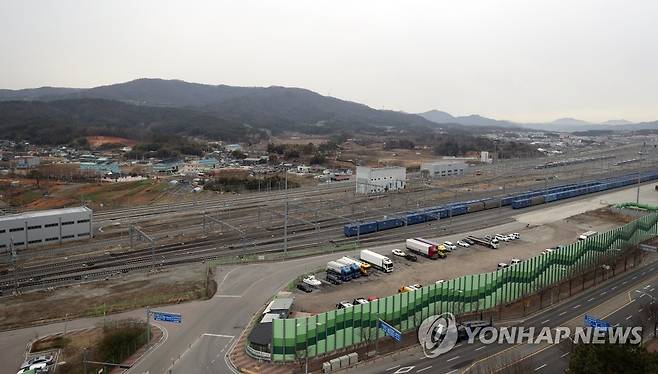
(304,287)
(502,265)
(501,238)
(516,235)
(411,257)
(333,279)
(311,280)
(515,261)
(463,243)
(547,251)
(469,241)
(449,246)
(344,305)
(372,298)
(399,252)
(360,300)
(439,281)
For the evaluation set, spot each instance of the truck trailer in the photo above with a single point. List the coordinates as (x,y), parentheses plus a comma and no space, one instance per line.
(363,266)
(355,269)
(378,261)
(422,247)
(483,242)
(342,271)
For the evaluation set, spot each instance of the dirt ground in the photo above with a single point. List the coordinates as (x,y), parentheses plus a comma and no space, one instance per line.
(115,295)
(97,141)
(50,195)
(472,260)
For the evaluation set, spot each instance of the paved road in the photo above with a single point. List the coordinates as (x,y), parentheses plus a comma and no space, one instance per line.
(556,358)
(464,355)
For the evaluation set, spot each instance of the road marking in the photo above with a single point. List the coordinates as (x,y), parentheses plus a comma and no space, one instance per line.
(234,296)
(577,306)
(541,367)
(458,345)
(452,371)
(603,293)
(477,349)
(545,321)
(590,299)
(563,313)
(565,355)
(629,317)
(218,335)
(451,359)
(624,282)
(405,369)
(642,295)
(393,368)
(651,290)
(635,277)
(639,310)
(423,369)
(614,288)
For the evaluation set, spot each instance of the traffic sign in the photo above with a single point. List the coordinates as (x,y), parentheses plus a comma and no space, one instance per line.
(390,330)
(596,323)
(167,317)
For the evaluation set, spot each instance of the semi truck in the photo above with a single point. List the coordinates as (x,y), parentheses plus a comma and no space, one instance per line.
(363,266)
(422,247)
(483,242)
(355,269)
(342,271)
(378,261)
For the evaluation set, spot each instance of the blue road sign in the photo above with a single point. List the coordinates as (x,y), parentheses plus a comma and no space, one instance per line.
(167,317)
(390,331)
(596,323)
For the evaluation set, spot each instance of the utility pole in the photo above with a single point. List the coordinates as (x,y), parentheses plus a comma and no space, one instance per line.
(285,221)
(637,198)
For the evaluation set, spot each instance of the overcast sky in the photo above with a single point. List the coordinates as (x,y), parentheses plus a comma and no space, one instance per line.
(522,60)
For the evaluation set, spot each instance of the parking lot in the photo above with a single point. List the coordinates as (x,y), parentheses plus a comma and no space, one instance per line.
(472,260)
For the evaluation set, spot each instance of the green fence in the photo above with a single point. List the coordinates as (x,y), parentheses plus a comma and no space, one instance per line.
(324,333)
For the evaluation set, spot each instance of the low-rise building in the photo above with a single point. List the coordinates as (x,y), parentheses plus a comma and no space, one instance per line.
(55,226)
(375,180)
(443,169)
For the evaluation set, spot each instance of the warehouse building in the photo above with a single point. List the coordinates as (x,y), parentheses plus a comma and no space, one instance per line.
(443,169)
(374,180)
(55,226)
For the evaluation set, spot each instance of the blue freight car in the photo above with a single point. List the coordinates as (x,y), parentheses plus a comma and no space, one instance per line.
(521,203)
(360,228)
(390,223)
(415,218)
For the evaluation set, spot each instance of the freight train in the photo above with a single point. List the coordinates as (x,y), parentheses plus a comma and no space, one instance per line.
(516,201)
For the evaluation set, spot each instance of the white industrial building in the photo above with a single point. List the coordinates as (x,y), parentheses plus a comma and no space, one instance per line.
(373,180)
(55,226)
(443,169)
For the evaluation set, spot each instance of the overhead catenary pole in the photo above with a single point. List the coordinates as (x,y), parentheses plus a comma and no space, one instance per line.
(285,221)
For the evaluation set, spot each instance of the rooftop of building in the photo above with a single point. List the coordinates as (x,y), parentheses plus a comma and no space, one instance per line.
(45,213)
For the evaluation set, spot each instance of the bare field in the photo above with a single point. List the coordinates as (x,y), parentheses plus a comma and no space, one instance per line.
(117,294)
(472,260)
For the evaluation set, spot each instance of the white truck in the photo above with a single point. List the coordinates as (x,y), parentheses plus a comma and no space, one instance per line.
(422,247)
(586,235)
(378,261)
